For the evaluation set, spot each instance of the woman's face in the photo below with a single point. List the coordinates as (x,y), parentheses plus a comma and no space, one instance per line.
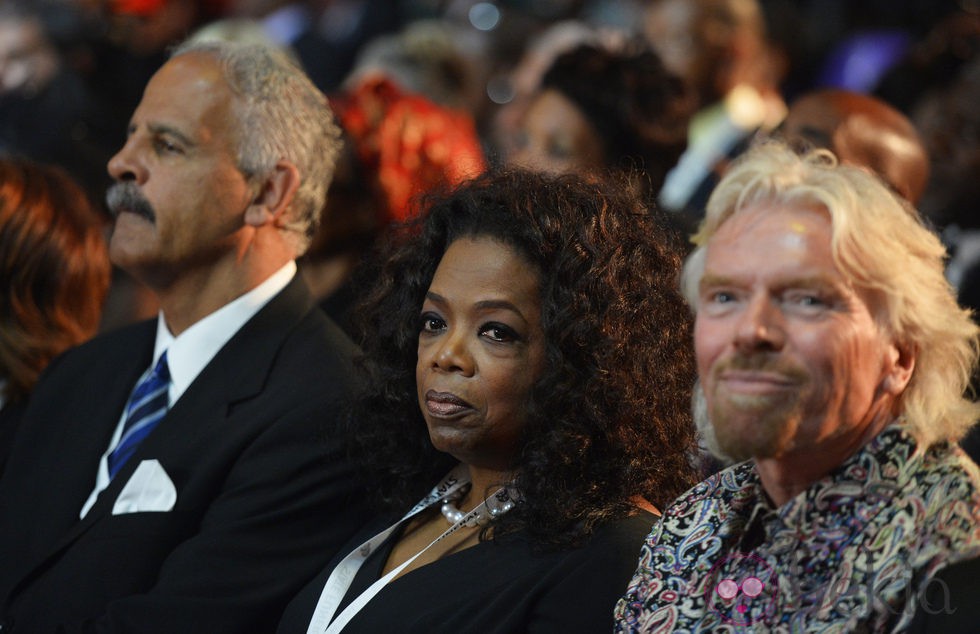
(556,137)
(481,349)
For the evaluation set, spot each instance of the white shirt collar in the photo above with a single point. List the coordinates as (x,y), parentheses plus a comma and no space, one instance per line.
(193,349)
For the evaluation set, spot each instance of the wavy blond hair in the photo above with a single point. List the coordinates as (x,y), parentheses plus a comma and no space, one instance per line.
(881,245)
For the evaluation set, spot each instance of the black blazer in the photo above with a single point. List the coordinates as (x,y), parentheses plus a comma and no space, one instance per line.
(264,494)
(10,415)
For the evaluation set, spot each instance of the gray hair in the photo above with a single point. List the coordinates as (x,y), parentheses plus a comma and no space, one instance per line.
(283,116)
(880,244)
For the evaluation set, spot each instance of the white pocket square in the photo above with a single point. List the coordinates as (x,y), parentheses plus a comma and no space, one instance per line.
(149,489)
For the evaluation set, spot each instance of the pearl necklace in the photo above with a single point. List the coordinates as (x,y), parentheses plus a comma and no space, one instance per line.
(453,515)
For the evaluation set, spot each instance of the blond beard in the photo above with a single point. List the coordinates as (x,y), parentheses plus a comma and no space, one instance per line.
(747,426)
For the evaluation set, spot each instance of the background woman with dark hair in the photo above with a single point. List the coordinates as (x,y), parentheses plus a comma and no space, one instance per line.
(552,376)
(54,274)
(604,106)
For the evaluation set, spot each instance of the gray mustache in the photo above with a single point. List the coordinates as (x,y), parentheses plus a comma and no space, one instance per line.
(127,197)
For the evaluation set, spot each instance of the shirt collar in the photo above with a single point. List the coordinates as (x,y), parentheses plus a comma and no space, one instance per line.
(851,494)
(194,348)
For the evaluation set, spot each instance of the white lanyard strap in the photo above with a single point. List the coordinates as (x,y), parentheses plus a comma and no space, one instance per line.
(343,575)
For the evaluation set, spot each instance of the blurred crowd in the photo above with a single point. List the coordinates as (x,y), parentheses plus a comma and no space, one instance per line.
(493,202)
(432,91)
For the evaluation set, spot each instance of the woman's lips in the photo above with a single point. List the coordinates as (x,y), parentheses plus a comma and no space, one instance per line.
(445,404)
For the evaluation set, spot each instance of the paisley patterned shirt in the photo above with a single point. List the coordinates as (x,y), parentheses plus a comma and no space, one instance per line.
(854,552)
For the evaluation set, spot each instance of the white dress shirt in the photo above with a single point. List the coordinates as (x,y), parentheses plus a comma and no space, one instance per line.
(189,352)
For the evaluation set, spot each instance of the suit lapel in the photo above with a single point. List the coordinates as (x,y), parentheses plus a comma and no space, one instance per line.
(85,439)
(62,491)
(237,373)
(241,368)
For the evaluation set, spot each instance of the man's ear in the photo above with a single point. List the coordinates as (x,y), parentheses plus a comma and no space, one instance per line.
(899,365)
(275,194)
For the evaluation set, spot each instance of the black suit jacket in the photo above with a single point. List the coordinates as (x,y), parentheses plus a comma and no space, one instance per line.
(264,494)
(10,415)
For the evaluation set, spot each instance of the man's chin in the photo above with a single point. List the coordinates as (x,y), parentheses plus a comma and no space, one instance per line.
(753,433)
(126,252)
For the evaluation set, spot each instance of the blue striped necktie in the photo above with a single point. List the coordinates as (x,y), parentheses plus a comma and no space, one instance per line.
(146,406)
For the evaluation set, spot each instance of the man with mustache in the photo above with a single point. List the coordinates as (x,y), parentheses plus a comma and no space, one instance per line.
(184,474)
(833,362)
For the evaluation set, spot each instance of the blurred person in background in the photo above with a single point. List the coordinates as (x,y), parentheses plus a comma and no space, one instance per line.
(326,35)
(435,58)
(600,109)
(523,80)
(399,145)
(54,272)
(861,130)
(950,122)
(47,110)
(722,49)
(136,39)
(946,40)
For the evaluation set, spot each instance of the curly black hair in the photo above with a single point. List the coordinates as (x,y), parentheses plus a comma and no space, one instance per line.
(609,420)
(640,109)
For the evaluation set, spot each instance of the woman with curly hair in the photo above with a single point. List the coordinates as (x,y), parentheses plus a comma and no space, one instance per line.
(526,337)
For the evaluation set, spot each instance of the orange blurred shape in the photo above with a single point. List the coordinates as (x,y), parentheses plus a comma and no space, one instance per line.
(136,7)
(408,143)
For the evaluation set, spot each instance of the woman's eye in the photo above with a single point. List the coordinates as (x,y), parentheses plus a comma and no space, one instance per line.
(431,323)
(499,333)
(721,297)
